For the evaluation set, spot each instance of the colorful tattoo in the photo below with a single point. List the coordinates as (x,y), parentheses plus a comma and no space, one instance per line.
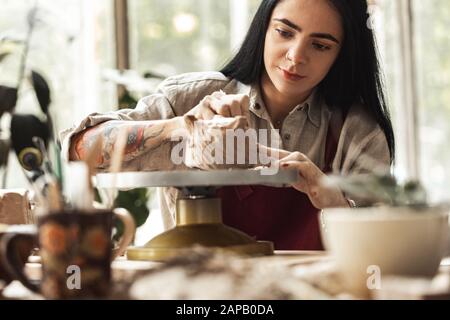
(142,138)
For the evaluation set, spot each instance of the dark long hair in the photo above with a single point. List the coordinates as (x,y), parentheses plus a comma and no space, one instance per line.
(355,77)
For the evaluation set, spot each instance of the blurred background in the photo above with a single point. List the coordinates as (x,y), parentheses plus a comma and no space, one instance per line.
(101,55)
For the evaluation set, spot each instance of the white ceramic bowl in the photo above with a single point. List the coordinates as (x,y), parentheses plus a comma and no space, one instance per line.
(387,240)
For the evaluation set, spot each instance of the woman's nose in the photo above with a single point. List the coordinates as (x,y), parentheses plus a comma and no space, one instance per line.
(297,53)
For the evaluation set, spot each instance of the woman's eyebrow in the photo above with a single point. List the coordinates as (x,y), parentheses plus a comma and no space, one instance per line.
(289,24)
(325,36)
(314,35)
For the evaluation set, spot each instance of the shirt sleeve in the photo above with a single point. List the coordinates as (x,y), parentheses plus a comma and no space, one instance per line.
(174,97)
(371,156)
(362,147)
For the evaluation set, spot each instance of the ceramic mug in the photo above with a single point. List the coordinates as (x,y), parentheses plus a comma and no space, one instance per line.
(76,251)
(398,241)
(24,248)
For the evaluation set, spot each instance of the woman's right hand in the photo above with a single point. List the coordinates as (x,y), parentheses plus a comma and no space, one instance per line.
(207,141)
(222,104)
(207,125)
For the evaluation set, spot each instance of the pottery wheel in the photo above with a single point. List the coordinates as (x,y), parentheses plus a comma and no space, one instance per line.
(199,211)
(194,178)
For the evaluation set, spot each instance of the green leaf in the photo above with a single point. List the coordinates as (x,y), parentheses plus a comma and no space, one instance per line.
(380,189)
(42,90)
(8,99)
(3,55)
(4,152)
(135,201)
(127,101)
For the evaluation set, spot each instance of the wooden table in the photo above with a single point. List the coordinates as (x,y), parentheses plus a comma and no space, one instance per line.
(123,269)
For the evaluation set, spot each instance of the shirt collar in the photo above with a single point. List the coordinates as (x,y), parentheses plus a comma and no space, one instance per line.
(257,106)
(313,108)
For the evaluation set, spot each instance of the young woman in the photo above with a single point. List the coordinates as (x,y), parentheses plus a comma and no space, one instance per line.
(308,68)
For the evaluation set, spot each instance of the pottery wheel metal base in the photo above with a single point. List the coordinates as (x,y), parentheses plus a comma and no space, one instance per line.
(199,213)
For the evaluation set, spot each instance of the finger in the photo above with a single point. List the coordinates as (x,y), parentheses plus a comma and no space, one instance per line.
(235,108)
(301,167)
(295,156)
(245,105)
(239,123)
(189,121)
(219,107)
(206,100)
(207,113)
(218,94)
(301,185)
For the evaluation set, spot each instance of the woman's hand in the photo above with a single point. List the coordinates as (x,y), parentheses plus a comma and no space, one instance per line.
(310,182)
(222,104)
(206,144)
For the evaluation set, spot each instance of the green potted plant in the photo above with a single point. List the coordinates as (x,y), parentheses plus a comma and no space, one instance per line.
(24,127)
(135,201)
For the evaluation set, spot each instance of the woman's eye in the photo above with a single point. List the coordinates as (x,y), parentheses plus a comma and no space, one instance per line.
(321,47)
(284,34)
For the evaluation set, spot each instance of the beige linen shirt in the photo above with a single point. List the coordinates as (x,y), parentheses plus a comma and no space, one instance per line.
(362,146)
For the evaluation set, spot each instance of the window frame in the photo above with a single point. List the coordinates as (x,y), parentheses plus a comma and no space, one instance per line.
(122,40)
(408,131)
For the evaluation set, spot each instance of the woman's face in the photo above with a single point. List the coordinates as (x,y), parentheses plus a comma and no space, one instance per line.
(303,41)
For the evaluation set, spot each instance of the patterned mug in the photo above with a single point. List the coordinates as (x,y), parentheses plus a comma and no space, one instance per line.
(76,251)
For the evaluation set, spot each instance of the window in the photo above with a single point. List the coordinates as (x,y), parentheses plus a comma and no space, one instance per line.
(70,45)
(432,44)
(384,21)
(176,36)
(421,113)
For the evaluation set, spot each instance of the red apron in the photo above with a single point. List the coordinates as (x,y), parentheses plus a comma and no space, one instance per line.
(284,216)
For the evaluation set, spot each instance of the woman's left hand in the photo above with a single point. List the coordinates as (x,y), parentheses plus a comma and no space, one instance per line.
(310,182)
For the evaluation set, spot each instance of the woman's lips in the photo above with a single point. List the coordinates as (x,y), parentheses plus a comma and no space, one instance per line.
(291,76)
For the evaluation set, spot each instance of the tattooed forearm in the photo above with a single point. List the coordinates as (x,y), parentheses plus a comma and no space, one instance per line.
(142,137)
